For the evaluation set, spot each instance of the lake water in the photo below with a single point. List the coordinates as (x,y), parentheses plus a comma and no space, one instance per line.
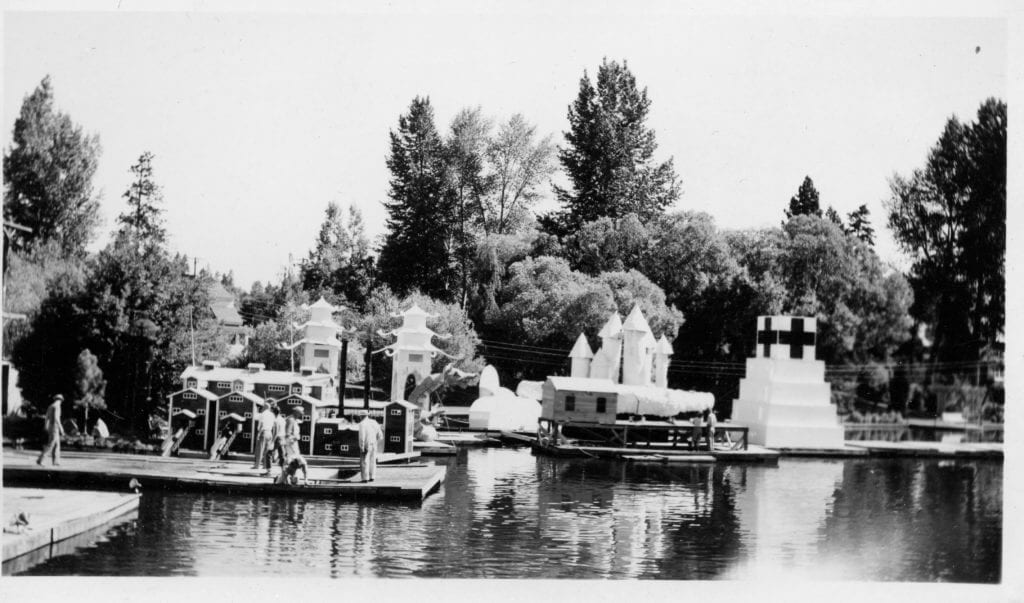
(506,513)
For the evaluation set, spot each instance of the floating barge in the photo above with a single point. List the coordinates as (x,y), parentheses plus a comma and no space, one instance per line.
(59,521)
(410,482)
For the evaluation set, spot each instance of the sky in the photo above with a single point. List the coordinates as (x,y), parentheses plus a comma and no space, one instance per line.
(258,119)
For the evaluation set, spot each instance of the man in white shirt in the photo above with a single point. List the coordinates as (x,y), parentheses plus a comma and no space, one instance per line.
(371,437)
(264,438)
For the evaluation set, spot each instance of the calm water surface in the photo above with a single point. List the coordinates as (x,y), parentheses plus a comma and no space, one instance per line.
(505,513)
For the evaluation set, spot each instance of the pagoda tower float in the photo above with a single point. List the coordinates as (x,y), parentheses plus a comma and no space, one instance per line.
(412,352)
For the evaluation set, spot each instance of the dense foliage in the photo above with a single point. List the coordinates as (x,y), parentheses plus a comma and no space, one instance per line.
(48,176)
(950,216)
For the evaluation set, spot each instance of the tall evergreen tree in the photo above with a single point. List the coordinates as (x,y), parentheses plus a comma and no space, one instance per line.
(860,225)
(805,202)
(144,219)
(49,171)
(609,155)
(950,217)
(341,262)
(416,252)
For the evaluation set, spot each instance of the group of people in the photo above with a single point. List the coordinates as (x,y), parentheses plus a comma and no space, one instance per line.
(278,437)
(277,443)
(707,418)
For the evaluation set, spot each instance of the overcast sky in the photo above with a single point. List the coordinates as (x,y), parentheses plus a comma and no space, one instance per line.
(258,120)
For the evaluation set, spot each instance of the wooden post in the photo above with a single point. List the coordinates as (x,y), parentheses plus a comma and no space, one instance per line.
(343,373)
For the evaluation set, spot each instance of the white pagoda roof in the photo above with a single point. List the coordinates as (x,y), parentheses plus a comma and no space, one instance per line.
(321,304)
(329,324)
(582,348)
(329,342)
(415,310)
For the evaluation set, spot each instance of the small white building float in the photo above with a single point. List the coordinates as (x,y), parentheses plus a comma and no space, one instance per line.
(596,404)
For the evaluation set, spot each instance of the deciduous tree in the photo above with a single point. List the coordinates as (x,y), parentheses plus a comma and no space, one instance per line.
(950,217)
(48,172)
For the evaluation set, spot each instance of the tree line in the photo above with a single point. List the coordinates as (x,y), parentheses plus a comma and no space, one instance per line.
(464,240)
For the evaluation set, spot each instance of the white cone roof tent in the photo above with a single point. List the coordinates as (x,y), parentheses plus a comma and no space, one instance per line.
(581,349)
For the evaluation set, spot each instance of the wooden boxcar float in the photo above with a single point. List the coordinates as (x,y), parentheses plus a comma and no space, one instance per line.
(399,426)
(200,403)
(243,404)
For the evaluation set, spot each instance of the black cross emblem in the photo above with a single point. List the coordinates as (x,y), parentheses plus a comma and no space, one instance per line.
(796,338)
(767,336)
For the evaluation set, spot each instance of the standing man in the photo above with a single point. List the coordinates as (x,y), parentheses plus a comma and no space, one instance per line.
(370,438)
(54,430)
(264,438)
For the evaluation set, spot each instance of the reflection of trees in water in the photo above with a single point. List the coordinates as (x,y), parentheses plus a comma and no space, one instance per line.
(918,520)
(702,544)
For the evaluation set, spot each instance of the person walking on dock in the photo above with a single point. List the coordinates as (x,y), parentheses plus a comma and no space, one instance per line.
(264,438)
(371,437)
(54,431)
(278,453)
(711,420)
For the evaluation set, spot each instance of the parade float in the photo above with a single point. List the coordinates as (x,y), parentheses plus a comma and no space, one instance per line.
(595,405)
(784,399)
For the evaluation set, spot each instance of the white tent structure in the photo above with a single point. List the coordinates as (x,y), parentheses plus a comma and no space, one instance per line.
(504,411)
(500,409)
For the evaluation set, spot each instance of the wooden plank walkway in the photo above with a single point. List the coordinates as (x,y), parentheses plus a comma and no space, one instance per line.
(58,517)
(960,450)
(753,454)
(412,482)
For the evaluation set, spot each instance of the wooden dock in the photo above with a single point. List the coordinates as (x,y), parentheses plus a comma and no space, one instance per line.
(411,482)
(753,454)
(959,450)
(59,522)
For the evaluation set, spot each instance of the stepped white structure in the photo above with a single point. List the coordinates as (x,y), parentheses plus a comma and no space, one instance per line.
(784,398)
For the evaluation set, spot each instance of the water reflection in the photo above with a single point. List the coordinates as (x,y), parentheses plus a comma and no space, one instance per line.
(505,513)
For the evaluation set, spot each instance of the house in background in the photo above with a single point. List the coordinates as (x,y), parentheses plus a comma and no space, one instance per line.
(222,303)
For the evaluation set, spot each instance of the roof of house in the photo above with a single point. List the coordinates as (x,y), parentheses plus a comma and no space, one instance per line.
(226,314)
(247,395)
(202,392)
(218,293)
(584,384)
(309,400)
(270,377)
